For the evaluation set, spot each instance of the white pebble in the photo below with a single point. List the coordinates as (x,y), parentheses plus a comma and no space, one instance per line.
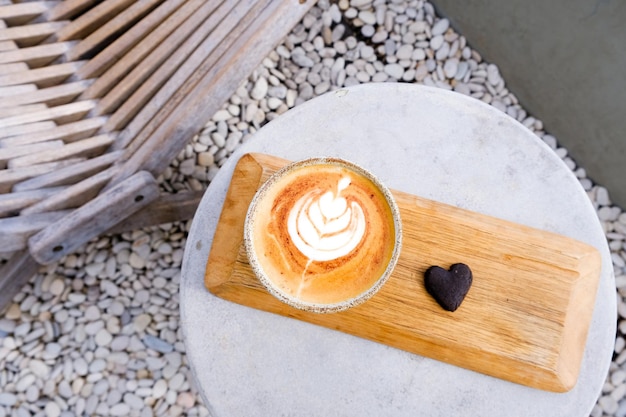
(119,343)
(26,381)
(461,70)
(206,159)
(39,368)
(232,141)
(493,74)
(94,269)
(619,392)
(97,365)
(260,89)
(436,42)
(394,70)
(596,411)
(418,54)
(187,166)
(116,308)
(136,261)
(92,313)
(221,115)
(367,17)
(404,52)
(120,409)
(185,400)
(57,286)
(28,302)
(80,366)
(52,409)
(32,393)
(7,325)
(606,213)
(53,349)
(141,322)
(176,382)
(273,103)
(550,141)
(440,27)
(443,52)
(7,399)
(133,401)
(602,196)
(94,327)
(450,68)
(159,389)
(360,3)
(618,377)
(608,404)
(302,60)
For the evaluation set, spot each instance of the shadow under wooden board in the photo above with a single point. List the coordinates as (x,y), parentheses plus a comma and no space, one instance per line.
(525,318)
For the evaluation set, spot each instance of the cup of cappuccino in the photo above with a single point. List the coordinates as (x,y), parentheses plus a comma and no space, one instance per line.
(323,234)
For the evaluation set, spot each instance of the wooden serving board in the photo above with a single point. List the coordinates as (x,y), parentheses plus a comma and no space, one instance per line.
(525,318)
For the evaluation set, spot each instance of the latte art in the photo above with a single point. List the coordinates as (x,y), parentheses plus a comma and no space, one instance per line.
(322,232)
(324,226)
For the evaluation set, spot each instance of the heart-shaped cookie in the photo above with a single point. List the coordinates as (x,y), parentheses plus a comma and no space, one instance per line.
(450,287)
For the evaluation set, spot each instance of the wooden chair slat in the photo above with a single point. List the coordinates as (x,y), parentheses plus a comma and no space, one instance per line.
(65,112)
(25,224)
(8,177)
(118,48)
(93,218)
(14,90)
(8,111)
(24,129)
(51,96)
(43,77)
(116,25)
(71,174)
(86,147)
(68,133)
(30,34)
(12,67)
(69,9)
(138,129)
(13,202)
(37,56)
(167,208)
(91,19)
(7,46)
(15,274)
(21,13)
(127,73)
(6,154)
(128,97)
(15,231)
(73,196)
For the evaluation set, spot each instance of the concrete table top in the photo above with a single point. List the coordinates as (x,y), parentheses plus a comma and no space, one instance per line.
(435,144)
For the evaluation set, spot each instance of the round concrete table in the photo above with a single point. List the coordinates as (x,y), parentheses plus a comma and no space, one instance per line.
(432,143)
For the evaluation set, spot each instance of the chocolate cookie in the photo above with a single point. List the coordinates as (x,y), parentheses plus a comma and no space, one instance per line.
(448,288)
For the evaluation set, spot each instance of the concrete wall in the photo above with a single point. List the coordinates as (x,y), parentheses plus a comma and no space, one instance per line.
(566,62)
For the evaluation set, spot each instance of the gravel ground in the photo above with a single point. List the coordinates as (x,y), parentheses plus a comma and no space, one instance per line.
(97,333)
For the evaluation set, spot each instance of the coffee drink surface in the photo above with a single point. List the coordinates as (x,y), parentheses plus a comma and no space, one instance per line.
(324,233)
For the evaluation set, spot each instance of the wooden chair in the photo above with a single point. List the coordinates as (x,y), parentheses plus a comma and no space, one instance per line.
(98,97)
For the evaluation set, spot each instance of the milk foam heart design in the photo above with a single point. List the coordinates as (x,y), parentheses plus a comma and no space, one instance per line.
(448,288)
(324,226)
